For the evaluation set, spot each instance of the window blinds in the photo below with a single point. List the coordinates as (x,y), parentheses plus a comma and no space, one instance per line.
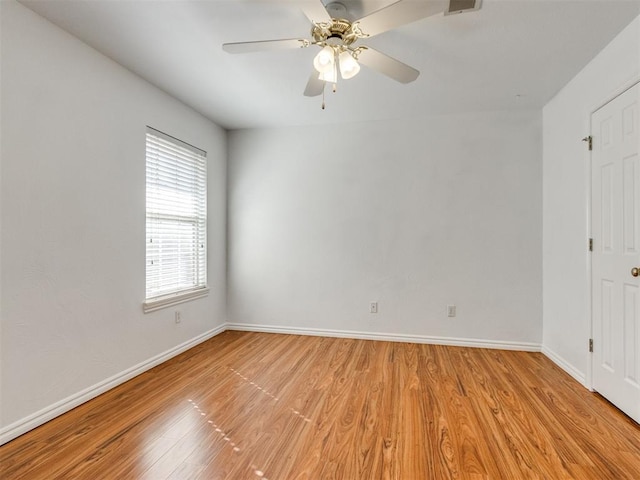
(176,247)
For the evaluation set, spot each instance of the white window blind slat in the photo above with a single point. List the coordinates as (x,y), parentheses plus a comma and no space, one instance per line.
(176,216)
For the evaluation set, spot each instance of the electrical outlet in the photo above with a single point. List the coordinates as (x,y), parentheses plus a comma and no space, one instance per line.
(373,307)
(451,310)
(178,316)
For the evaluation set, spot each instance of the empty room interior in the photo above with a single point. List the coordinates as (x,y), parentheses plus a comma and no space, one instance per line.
(316,239)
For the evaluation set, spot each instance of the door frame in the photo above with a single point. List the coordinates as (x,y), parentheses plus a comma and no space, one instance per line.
(609,98)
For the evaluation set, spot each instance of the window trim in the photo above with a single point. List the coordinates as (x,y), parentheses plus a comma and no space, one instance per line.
(165,300)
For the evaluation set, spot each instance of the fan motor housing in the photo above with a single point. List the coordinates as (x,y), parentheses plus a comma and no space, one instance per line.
(338,29)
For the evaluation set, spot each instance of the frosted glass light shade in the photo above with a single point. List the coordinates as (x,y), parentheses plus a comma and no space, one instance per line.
(349,67)
(325,60)
(330,76)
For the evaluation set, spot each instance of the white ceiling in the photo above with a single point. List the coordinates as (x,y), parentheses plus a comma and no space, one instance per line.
(512,54)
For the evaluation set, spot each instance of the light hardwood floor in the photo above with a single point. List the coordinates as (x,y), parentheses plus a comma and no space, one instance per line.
(280,407)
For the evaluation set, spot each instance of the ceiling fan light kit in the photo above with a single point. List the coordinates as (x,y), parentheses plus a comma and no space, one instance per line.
(336,38)
(329,58)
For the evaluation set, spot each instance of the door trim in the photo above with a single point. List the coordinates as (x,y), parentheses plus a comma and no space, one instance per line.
(609,98)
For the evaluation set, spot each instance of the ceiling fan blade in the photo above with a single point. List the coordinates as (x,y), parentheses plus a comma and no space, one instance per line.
(315,86)
(387,65)
(398,14)
(315,11)
(264,45)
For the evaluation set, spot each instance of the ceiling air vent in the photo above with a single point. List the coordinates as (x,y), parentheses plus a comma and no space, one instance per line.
(462,6)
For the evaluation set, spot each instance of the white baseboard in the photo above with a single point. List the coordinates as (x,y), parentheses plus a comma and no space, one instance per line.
(35,420)
(564,365)
(389,337)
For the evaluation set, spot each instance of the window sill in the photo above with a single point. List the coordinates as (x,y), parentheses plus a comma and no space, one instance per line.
(165,301)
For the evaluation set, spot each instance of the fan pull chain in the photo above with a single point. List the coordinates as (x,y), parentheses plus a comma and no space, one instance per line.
(324,88)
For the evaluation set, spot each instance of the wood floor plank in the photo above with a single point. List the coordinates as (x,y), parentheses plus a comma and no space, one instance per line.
(282,407)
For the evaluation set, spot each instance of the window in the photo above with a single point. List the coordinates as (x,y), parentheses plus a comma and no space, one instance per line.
(176,242)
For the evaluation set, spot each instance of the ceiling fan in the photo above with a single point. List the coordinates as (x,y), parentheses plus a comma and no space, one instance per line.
(338,39)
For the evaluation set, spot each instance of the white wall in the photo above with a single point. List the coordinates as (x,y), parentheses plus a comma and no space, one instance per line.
(415,215)
(566,118)
(73,221)
(1,355)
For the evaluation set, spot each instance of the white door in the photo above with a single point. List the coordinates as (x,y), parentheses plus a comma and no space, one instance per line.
(616,251)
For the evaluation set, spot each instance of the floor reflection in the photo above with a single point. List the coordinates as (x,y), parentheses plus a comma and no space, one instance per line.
(269,394)
(258,472)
